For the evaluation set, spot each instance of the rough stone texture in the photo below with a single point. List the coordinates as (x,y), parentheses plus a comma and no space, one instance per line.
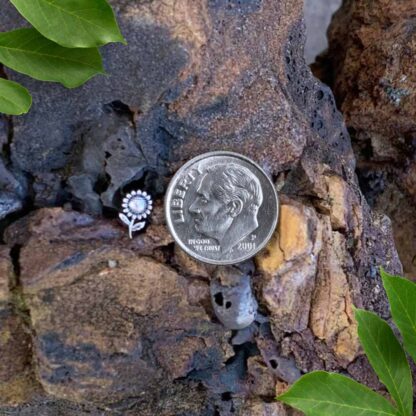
(105,334)
(371,66)
(6,274)
(127,327)
(331,317)
(17,384)
(232,298)
(258,408)
(289,264)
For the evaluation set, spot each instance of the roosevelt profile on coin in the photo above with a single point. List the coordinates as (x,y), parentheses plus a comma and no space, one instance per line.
(226,205)
(221,207)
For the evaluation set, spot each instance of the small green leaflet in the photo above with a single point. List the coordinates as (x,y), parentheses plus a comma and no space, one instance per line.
(325,394)
(387,357)
(72,23)
(402,297)
(14,99)
(28,52)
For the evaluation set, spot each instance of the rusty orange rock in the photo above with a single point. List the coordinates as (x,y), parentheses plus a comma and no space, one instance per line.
(289,265)
(331,317)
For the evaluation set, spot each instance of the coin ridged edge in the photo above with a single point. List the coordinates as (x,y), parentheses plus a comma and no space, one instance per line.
(169,220)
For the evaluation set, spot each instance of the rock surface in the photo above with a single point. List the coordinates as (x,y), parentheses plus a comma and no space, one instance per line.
(17,381)
(113,326)
(371,66)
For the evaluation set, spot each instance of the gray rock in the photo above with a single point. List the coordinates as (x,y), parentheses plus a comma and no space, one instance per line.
(8,204)
(89,135)
(232,298)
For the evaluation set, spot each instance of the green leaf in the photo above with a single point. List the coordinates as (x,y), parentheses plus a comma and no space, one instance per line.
(28,52)
(387,357)
(72,23)
(402,297)
(325,394)
(14,99)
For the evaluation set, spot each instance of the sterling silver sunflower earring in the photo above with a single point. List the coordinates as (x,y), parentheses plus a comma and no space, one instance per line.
(137,205)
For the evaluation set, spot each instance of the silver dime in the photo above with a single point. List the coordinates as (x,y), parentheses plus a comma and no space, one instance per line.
(221,208)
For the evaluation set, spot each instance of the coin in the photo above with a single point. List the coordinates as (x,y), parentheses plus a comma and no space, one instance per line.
(221,208)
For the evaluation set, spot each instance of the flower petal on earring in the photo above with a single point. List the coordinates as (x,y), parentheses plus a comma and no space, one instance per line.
(136,205)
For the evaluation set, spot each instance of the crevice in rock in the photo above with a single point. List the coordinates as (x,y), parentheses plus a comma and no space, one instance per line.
(15,257)
(27,205)
(18,299)
(109,148)
(165,255)
(10,132)
(373,84)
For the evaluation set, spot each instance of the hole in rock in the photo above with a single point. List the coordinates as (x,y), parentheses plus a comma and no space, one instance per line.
(228,305)
(119,107)
(226,396)
(102,183)
(274,364)
(219,299)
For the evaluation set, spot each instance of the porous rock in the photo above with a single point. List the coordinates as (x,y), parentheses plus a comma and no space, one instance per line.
(124,325)
(371,67)
(232,298)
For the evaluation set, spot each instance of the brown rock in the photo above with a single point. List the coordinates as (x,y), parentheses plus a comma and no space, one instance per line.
(17,383)
(191,266)
(331,317)
(289,266)
(400,207)
(6,274)
(261,379)
(179,363)
(124,325)
(340,199)
(371,54)
(258,408)
(198,294)
(93,321)
(372,58)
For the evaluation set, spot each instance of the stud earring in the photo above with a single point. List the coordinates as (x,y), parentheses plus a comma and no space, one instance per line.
(137,205)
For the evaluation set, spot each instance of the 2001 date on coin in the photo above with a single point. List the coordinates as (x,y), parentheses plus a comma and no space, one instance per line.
(221,208)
